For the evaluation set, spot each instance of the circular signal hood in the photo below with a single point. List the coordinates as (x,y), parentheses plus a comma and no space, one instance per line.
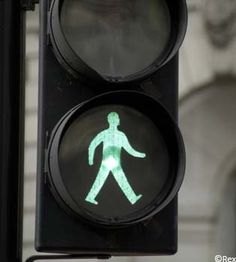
(116,40)
(113,162)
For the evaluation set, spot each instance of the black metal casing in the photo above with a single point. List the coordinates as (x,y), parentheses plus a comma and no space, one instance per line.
(59,232)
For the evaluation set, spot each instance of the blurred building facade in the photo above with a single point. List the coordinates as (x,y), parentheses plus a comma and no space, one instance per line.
(207,215)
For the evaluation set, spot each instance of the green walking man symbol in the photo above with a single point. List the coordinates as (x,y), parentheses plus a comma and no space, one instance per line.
(113,141)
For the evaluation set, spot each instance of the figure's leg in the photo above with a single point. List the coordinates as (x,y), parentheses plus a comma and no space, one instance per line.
(122,181)
(97,185)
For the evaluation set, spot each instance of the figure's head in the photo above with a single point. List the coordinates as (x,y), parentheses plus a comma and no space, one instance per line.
(113,119)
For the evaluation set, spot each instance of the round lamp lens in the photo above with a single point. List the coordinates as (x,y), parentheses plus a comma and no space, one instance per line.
(117,38)
(107,160)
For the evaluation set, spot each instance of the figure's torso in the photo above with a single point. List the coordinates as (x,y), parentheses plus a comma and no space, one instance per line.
(112,145)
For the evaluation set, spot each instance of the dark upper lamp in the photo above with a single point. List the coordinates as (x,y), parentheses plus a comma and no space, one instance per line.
(116,41)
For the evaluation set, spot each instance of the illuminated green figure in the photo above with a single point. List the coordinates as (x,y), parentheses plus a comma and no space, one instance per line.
(113,141)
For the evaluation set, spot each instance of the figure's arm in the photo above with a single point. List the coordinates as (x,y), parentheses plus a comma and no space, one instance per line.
(92,147)
(131,150)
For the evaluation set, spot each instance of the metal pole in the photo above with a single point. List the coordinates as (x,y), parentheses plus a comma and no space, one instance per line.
(12,35)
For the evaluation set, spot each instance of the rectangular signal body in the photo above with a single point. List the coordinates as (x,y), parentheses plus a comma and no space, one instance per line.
(57,231)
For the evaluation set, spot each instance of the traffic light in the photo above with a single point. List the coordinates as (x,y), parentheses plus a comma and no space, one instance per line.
(110,155)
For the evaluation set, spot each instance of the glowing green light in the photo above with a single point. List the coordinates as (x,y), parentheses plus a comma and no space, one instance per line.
(111,162)
(113,141)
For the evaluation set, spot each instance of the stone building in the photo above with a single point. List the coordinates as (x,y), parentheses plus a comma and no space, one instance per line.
(207,200)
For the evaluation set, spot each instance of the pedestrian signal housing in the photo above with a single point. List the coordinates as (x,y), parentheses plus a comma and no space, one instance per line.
(110,154)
